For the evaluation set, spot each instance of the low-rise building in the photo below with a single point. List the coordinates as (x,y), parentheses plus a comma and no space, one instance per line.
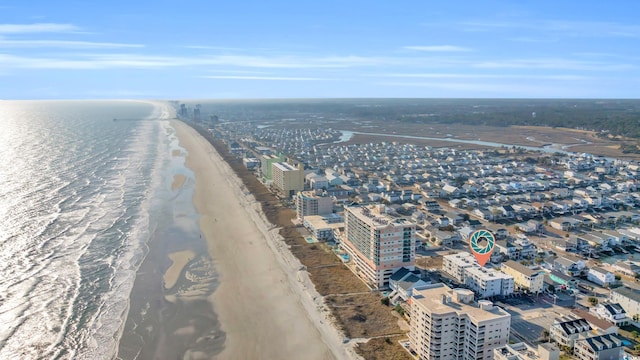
(446,324)
(612,312)
(455,265)
(524,278)
(485,282)
(522,351)
(404,281)
(628,298)
(601,276)
(323,228)
(603,347)
(488,282)
(566,332)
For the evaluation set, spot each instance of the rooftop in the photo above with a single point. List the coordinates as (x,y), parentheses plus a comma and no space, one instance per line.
(520,268)
(602,342)
(431,298)
(633,294)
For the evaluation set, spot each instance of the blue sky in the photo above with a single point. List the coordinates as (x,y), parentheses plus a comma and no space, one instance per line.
(291,49)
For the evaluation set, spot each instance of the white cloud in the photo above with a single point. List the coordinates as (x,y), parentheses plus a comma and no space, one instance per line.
(559,27)
(69,44)
(481,76)
(37,28)
(551,63)
(104,61)
(277,78)
(437,48)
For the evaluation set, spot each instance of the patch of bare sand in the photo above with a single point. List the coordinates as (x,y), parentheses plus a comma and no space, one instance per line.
(263,303)
(178,181)
(179,261)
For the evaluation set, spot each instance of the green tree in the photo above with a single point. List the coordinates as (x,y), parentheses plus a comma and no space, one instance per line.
(593,301)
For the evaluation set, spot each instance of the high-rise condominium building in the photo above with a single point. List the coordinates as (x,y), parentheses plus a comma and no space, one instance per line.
(446,324)
(379,244)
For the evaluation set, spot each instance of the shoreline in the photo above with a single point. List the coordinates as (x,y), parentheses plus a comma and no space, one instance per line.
(265,301)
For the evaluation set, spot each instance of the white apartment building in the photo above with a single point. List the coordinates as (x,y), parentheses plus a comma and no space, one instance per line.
(378,244)
(287,178)
(446,324)
(489,282)
(523,277)
(485,282)
(309,204)
(456,265)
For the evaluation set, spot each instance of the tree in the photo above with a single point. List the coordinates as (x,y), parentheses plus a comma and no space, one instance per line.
(618,277)
(593,301)
(385,301)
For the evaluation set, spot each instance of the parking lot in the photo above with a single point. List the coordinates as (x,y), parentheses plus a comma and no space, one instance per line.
(531,316)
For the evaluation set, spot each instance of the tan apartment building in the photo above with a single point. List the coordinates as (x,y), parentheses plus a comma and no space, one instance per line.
(287,178)
(309,204)
(447,324)
(378,244)
(523,277)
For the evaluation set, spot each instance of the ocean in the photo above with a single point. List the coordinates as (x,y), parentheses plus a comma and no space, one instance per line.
(83,199)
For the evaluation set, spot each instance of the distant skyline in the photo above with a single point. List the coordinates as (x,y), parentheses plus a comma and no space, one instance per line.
(330,49)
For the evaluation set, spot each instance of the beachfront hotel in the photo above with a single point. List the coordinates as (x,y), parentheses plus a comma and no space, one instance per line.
(446,324)
(265,164)
(378,244)
(310,204)
(287,178)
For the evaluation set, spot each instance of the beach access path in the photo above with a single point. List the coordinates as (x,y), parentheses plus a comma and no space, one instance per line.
(265,307)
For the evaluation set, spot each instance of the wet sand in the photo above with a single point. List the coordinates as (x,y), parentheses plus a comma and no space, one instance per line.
(263,301)
(179,261)
(178,181)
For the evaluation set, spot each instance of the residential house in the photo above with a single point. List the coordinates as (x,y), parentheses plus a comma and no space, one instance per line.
(603,347)
(565,332)
(628,268)
(404,281)
(612,312)
(628,298)
(601,276)
(568,266)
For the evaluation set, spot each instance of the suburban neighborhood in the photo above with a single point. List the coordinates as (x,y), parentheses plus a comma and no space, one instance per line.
(560,283)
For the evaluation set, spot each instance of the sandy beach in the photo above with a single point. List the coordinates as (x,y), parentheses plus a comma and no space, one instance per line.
(265,303)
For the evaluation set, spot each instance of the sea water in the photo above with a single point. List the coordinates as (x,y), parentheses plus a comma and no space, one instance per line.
(82,186)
